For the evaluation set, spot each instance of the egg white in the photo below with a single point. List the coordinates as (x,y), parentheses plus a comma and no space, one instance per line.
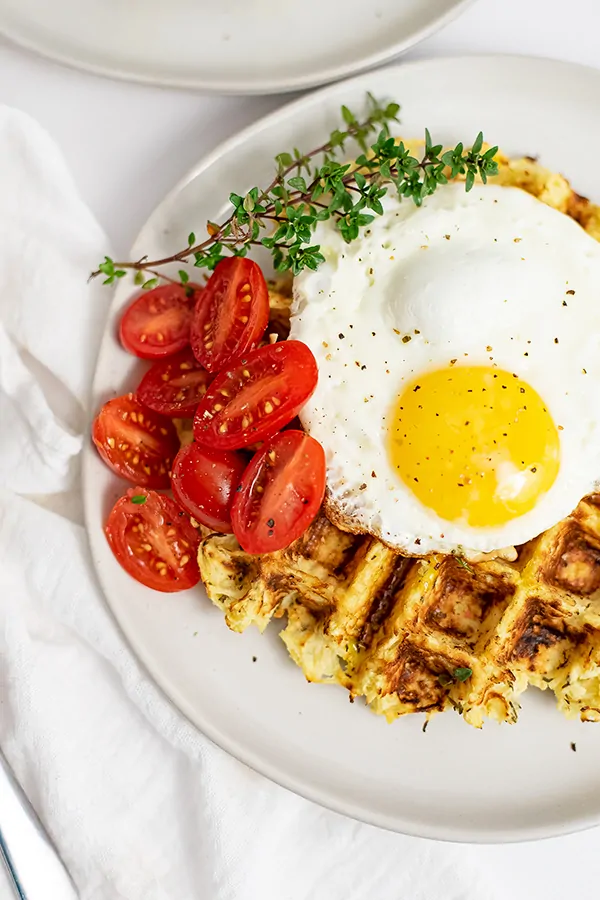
(494,267)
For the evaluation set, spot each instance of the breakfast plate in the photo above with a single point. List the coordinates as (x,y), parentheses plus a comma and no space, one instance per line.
(221,46)
(499,783)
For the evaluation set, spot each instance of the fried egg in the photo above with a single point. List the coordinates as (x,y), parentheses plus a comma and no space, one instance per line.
(458,346)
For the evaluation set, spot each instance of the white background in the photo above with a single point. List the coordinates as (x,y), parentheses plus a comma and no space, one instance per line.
(128,144)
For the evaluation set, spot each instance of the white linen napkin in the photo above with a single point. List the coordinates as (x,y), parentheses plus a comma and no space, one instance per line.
(139,804)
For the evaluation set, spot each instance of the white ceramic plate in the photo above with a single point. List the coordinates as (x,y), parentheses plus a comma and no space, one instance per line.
(220,45)
(502,783)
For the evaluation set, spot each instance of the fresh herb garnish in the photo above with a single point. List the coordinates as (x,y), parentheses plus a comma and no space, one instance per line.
(139,499)
(462,674)
(458,556)
(312,187)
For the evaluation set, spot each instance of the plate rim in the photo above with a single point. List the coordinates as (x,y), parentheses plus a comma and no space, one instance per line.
(162,681)
(232,86)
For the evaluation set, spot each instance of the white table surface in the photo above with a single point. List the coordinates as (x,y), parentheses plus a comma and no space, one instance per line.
(128,144)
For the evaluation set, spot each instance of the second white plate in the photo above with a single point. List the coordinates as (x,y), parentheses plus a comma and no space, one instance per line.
(231,46)
(501,783)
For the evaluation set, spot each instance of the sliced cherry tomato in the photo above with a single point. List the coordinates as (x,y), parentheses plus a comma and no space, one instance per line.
(204,482)
(158,323)
(280,494)
(135,442)
(231,314)
(174,386)
(154,540)
(257,397)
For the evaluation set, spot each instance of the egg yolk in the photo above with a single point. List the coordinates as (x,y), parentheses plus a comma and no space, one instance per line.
(474,443)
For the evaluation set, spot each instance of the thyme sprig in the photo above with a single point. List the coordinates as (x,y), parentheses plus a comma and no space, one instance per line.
(314,187)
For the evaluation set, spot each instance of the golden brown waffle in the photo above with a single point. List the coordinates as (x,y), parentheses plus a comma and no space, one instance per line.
(404,632)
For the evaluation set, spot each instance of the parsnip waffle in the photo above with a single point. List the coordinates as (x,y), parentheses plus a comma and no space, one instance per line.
(402,632)
(424,635)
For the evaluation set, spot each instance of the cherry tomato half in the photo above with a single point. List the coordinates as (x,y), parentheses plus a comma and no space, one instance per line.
(158,323)
(135,442)
(280,494)
(204,482)
(174,386)
(231,314)
(154,541)
(257,397)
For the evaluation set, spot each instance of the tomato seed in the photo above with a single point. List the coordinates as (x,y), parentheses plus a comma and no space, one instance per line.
(223,428)
(245,287)
(217,407)
(160,336)
(147,547)
(268,407)
(184,560)
(110,442)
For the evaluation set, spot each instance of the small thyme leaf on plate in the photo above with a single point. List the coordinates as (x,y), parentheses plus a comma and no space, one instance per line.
(322,185)
(138,499)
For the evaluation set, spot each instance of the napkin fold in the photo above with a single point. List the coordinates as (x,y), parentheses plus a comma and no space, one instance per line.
(139,804)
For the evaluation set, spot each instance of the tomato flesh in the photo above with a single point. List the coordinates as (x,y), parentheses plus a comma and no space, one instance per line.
(135,442)
(253,400)
(204,482)
(231,315)
(158,323)
(154,541)
(280,494)
(174,386)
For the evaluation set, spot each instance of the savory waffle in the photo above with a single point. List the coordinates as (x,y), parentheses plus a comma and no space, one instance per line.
(422,635)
